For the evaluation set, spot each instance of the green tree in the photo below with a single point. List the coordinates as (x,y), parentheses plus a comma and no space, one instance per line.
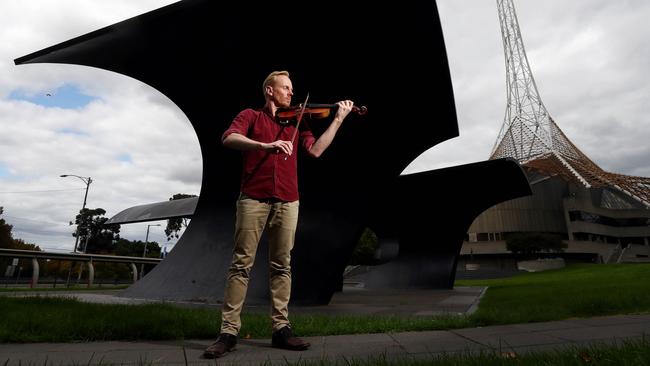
(364,251)
(135,248)
(175,225)
(530,244)
(112,272)
(94,235)
(5,232)
(56,268)
(7,241)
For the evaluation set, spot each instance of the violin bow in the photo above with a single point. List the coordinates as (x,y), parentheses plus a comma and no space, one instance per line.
(302,111)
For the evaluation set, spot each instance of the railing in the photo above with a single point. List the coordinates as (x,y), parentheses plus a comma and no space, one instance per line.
(88,259)
(615,254)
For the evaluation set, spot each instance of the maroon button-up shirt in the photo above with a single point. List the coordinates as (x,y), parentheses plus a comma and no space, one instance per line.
(265,174)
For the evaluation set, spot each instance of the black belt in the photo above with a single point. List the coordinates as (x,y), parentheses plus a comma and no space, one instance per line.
(267,200)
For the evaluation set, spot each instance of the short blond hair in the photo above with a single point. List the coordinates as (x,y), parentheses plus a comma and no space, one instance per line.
(270,80)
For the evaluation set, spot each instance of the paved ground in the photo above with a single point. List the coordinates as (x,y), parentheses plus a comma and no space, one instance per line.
(516,338)
(353,300)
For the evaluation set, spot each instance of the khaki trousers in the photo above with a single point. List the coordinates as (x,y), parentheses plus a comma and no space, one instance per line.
(253,216)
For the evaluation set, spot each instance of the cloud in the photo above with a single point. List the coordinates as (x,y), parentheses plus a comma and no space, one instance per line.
(589,59)
(124,134)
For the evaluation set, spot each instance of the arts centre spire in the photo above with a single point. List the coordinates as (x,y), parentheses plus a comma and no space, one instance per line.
(530,135)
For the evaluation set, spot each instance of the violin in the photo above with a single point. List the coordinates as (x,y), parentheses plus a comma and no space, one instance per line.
(312,111)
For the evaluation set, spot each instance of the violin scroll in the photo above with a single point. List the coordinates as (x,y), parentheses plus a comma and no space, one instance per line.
(360,110)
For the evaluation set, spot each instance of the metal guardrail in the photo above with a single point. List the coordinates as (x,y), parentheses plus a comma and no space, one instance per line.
(77,257)
(17,253)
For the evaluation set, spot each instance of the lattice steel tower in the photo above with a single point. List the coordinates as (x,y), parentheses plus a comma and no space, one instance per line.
(531,136)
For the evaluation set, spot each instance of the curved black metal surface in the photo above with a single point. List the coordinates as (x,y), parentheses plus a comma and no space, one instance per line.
(434,210)
(156,211)
(210,58)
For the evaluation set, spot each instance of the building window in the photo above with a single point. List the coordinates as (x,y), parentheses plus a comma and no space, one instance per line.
(608,221)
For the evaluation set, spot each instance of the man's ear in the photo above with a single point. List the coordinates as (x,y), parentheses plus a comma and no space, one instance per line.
(269,90)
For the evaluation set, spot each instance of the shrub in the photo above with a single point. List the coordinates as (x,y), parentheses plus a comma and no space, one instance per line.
(529,244)
(364,251)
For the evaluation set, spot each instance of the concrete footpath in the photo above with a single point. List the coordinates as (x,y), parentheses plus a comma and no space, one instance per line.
(517,338)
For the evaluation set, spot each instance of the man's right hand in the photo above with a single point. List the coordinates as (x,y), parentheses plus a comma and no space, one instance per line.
(280,146)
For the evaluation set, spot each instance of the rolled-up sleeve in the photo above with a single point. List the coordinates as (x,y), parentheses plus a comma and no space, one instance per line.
(307,138)
(241,124)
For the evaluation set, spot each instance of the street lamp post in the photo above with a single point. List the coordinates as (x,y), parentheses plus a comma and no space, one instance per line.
(87,181)
(144,252)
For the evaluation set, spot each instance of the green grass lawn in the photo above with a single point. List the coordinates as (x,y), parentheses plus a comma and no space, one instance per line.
(55,319)
(76,288)
(583,290)
(577,291)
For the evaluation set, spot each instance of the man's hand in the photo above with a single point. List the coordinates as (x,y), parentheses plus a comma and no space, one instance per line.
(345,107)
(277,147)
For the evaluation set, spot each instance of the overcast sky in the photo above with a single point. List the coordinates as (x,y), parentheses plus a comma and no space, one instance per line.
(590,59)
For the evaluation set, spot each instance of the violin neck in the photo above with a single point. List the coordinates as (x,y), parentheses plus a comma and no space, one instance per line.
(360,110)
(316,105)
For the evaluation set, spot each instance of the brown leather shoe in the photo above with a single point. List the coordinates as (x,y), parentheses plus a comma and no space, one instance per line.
(285,339)
(224,344)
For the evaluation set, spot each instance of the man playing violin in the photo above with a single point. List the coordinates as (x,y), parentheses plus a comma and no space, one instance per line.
(268,200)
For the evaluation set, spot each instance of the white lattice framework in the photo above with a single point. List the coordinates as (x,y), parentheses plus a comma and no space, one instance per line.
(530,135)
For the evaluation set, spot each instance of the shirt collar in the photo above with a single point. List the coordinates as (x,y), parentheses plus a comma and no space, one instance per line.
(267,110)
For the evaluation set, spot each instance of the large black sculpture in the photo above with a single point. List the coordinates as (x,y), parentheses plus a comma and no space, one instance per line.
(210,57)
